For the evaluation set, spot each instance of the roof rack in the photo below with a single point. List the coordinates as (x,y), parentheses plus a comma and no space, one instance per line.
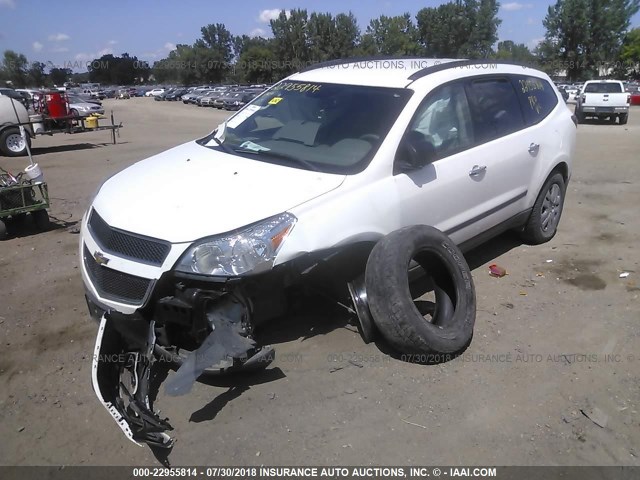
(420,73)
(460,63)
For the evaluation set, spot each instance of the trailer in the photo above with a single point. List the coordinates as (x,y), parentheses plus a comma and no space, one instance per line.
(49,115)
(24,198)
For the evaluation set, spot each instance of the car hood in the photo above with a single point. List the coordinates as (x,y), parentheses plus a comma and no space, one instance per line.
(191,192)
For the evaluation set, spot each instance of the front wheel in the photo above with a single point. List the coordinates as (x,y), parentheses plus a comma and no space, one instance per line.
(12,144)
(545,216)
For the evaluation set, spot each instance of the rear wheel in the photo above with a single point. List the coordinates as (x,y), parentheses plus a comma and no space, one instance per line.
(579,115)
(3,230)
(623,118)
(545,216)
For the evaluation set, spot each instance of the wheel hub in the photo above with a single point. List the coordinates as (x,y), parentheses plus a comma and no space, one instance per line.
(15,142)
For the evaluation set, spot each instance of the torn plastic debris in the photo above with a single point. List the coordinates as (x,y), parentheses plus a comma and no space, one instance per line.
(113,360)
(218,350)
(225,347)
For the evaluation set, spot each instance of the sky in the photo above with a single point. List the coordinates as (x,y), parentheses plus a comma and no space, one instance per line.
(68,34)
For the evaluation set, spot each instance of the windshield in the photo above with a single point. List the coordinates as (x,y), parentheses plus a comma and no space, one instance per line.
(603,88)
(317,126)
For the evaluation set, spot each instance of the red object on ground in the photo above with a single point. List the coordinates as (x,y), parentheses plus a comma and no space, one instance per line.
(57,104)
(497,271)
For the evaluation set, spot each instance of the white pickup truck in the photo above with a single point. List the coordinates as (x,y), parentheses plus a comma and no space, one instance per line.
(603,99)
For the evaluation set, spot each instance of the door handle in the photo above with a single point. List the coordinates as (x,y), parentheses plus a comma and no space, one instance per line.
(533,148)
(477,170)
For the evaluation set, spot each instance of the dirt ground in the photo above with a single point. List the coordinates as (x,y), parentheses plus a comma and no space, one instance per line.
(556,341)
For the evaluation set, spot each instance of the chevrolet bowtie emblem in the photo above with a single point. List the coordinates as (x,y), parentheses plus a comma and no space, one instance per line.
(100,258)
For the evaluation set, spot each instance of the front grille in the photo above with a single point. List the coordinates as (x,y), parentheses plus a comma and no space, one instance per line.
(125,244)
(115,285)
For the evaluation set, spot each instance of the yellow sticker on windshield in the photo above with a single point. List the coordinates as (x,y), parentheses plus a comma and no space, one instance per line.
(275,100)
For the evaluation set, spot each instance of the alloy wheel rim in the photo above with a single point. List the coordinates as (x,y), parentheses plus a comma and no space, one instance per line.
(551,207)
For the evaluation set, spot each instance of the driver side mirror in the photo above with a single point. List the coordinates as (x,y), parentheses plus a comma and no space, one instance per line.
(414,152)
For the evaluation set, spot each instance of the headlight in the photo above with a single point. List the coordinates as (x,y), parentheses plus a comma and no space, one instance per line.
(252,249)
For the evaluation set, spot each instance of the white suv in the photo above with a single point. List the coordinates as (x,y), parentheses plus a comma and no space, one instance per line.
(154,92)
(349,173)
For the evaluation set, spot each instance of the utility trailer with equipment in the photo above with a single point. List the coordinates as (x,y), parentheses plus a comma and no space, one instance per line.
(48,115)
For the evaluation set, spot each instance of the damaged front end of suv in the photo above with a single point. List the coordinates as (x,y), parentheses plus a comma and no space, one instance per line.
(199,316)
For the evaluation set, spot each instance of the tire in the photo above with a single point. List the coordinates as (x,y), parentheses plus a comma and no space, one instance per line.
(624,117)
(74,112)
(612,119)
(11,143)
(547,208)
(579,115)
(41,219)
(391,303)
(3,230)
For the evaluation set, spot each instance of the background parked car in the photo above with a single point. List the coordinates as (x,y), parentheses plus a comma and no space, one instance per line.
(207,101)
(154,92)
(238,100)
(219,102)
(206,94)
(563,92)
(161,96)
(81,108)
(175,94)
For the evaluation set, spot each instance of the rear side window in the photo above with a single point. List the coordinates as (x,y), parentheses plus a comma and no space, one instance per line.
(603,88)
(495,108)
(537,97)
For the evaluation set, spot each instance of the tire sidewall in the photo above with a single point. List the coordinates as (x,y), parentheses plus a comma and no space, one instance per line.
(536,215)
(391,302)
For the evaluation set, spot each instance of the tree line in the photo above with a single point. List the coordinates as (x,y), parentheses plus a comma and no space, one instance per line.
(583,39)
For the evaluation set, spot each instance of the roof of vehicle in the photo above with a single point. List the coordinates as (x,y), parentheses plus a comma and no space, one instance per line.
(603,81)
(396,72)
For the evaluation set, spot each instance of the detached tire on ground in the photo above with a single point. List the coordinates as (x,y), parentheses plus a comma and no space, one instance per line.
(391,303)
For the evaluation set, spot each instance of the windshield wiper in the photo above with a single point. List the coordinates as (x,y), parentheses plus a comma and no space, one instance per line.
(222,145)
(271,153)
